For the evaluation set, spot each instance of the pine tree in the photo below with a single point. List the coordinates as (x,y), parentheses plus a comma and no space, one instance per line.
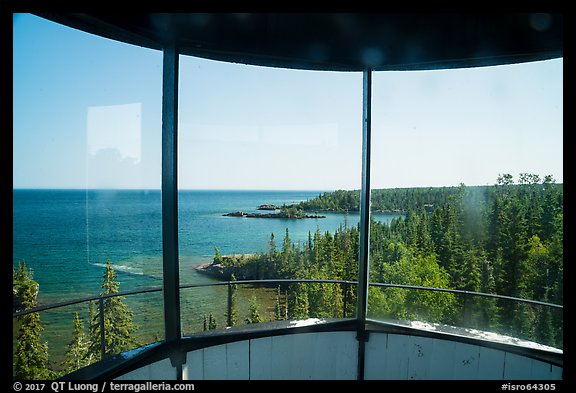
(209,322)
(489,308)
(424,236)
(280,312)
(272,270)
(471,280)
(22,281)
(254,312)
(286,257)
(231,314)
(31,355)
(217,256)
(300,307)
(78,352)
(552,208)
(119,329)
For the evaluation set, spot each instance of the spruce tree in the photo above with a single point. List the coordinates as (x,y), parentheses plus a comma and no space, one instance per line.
(254,312)
(286,257)
(231,315)
(209,322)
(272,270)
(119,329)
(31,355)
(78,352)
(217,256)
(212,322)
(489,307)
(300,307)
(281,312)
(22,281)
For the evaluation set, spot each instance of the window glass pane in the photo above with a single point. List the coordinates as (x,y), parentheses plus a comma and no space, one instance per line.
(253,137)
(86,178)
(470,162)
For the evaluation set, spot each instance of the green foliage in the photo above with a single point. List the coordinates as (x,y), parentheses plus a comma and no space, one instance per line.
(31,354)
(416,270)
(118,325)
(217,255)
(78,351)
(383,200)
(209,322)
(299,304)
(504,239)
(281,306)
(232,314)
(254,312)
(24,287)
(292,212)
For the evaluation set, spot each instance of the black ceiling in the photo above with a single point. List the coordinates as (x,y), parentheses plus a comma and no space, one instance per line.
(340,42)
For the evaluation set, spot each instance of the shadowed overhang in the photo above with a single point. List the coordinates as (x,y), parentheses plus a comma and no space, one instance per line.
(338,42)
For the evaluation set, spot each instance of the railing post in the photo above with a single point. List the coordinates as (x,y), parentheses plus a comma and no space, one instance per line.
(102,332)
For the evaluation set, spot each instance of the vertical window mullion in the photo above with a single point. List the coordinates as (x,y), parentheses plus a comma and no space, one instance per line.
(364,254)
(170,195)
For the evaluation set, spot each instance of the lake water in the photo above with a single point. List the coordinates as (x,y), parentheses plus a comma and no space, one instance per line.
(66,237)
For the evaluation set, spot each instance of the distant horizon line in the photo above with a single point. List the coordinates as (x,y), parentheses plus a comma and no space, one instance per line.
(247,189)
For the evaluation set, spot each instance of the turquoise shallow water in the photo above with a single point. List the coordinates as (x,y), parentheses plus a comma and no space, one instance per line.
(66,237)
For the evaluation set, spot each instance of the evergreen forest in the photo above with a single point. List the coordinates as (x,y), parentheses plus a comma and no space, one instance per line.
(505,239)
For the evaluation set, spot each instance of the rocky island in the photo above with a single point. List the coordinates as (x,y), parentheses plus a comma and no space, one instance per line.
(268,207)
(272,215)
(223,266)
(285,212)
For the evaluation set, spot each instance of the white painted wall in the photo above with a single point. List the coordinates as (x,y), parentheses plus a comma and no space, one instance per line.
(393,356)
(333,355)
(330,355)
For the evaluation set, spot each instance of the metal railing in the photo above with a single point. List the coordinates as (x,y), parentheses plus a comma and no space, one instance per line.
(230,284)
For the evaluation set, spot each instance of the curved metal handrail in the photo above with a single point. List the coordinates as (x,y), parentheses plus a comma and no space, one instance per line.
(463,292)
(229,284)
(276,281)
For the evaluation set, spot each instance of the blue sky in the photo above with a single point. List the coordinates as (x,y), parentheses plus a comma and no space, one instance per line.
(87,113)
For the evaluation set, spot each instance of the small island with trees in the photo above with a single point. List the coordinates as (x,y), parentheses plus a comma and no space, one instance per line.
(288,212)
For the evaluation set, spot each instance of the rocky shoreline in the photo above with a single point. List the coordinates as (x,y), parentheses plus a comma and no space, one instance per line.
(223,270)
(272,215)
(211,269)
